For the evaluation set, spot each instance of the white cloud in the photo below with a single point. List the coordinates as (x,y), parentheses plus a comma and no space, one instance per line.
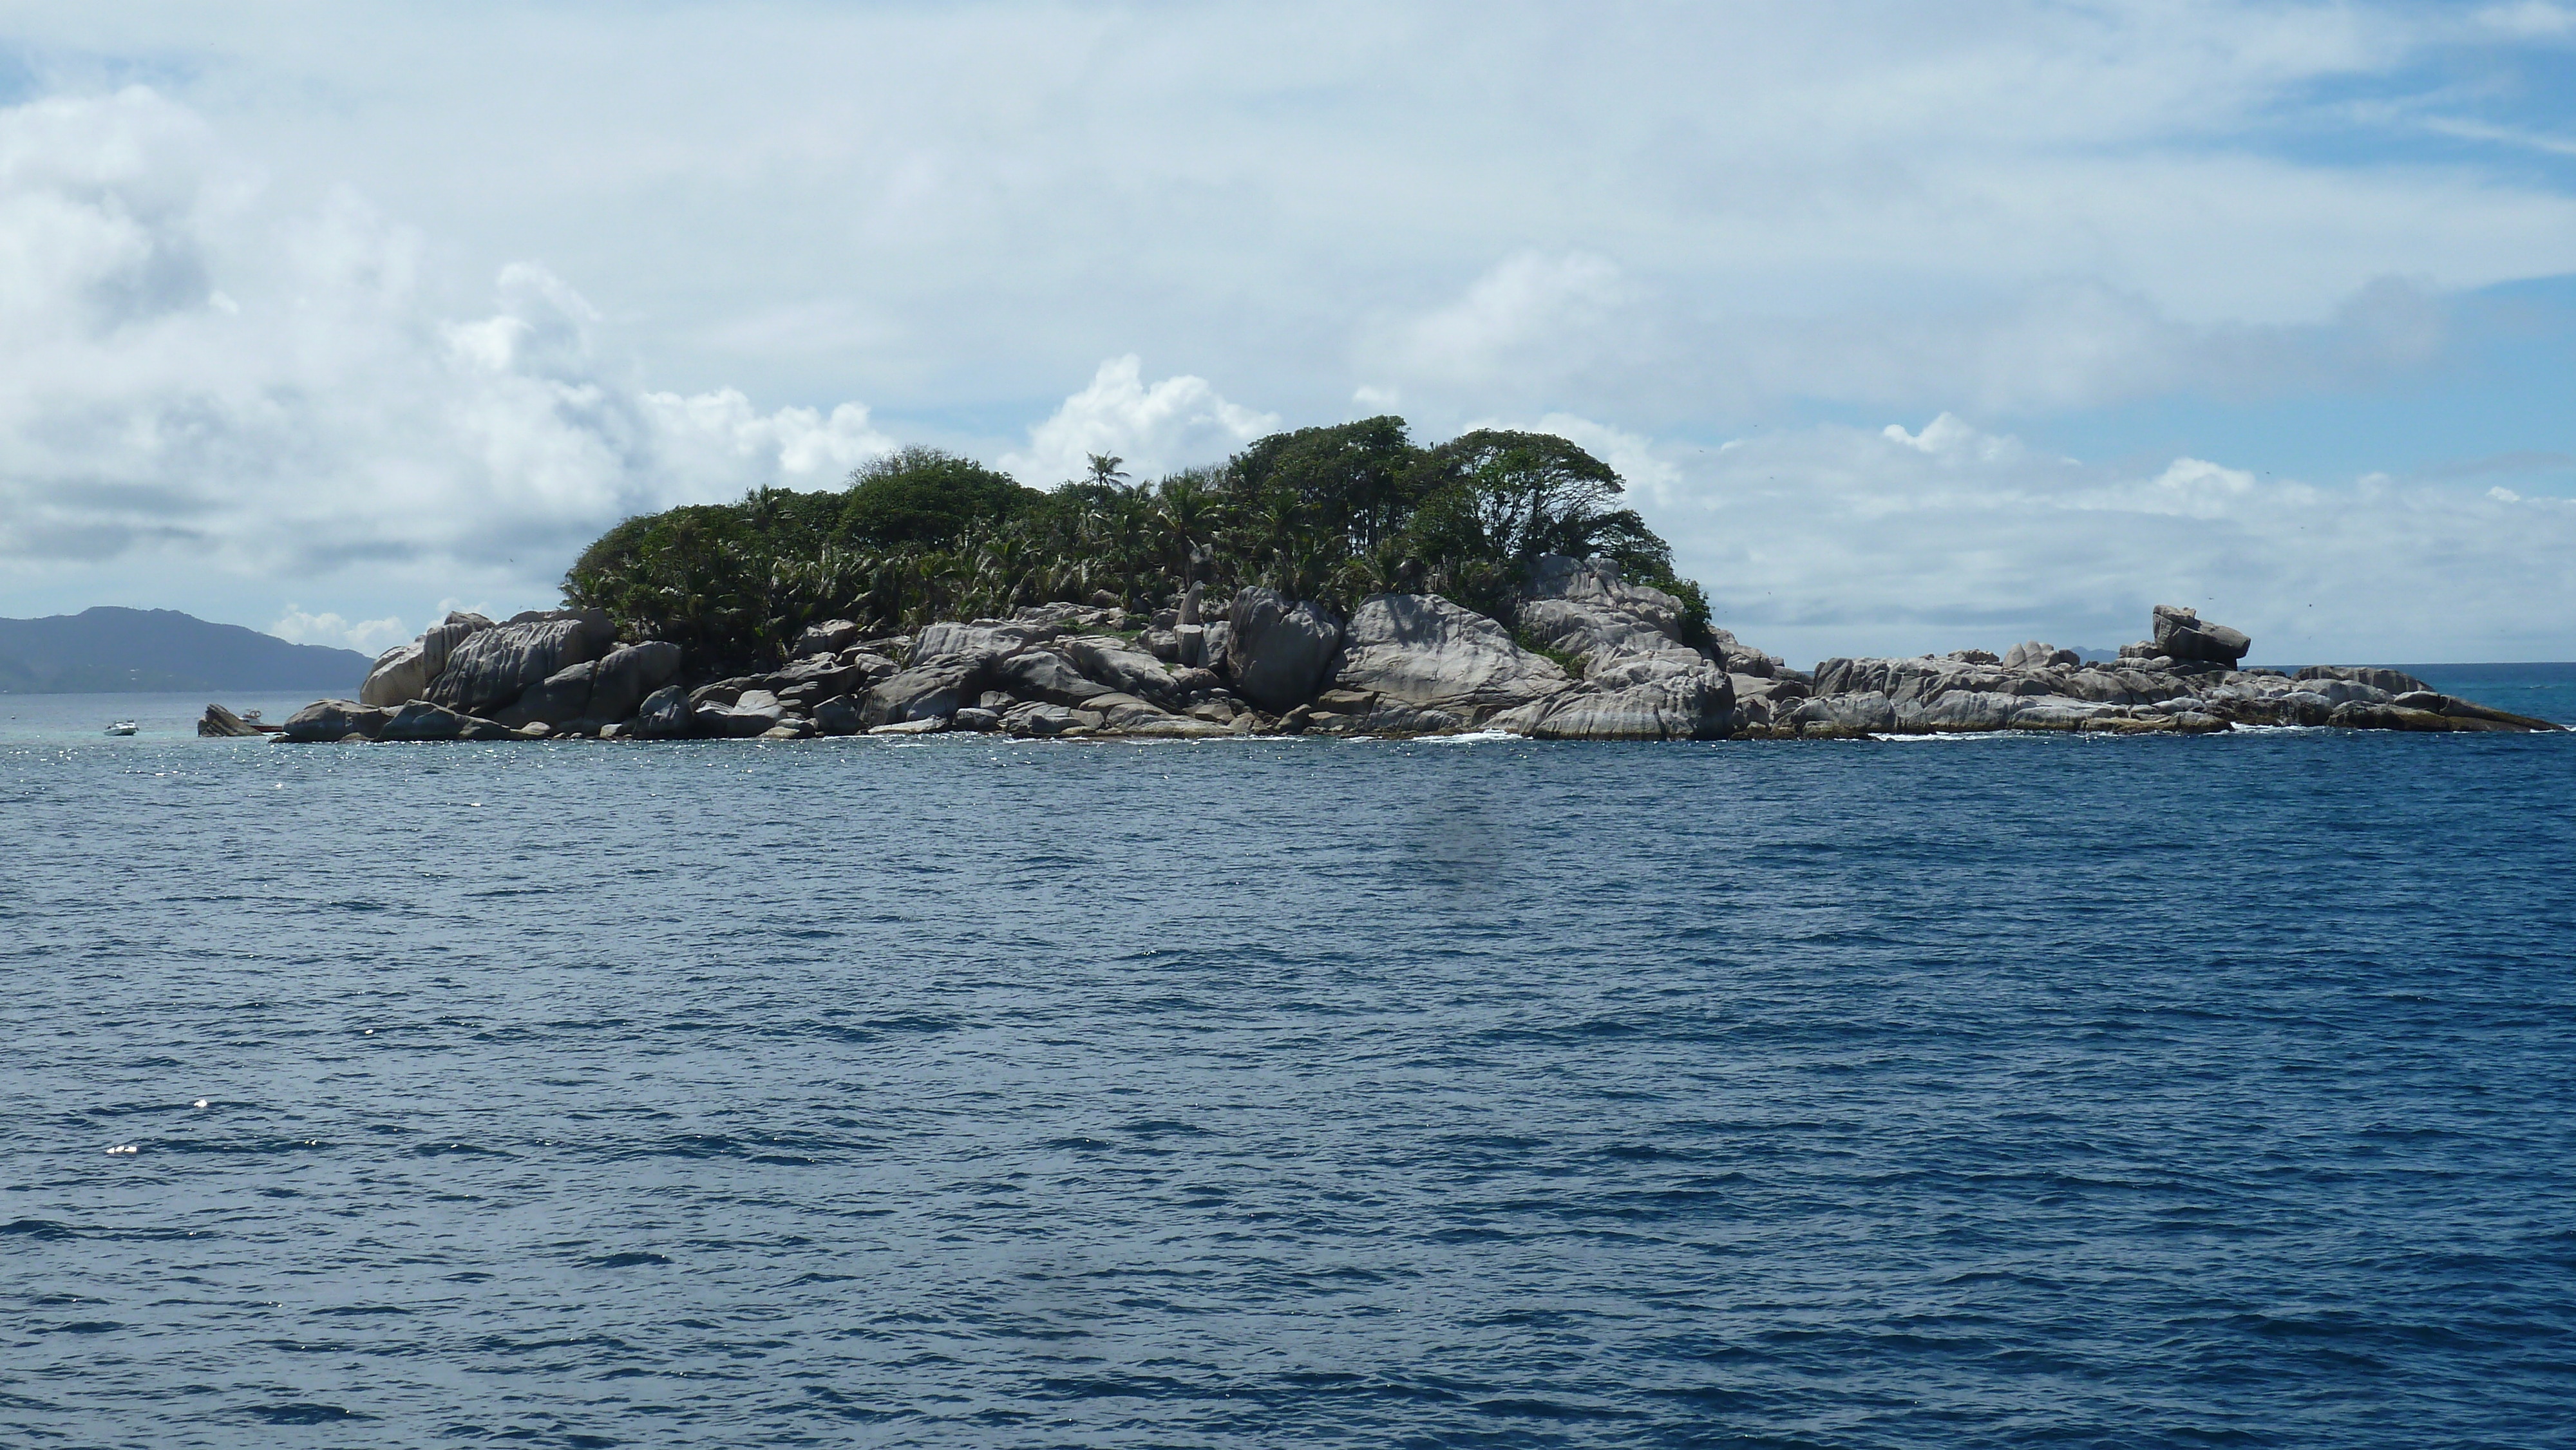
(367,636)
(1524,302)
(2530,19)
(1175,423)
(195,378)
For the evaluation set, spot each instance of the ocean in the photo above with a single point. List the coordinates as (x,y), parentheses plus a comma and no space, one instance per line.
(957,1091)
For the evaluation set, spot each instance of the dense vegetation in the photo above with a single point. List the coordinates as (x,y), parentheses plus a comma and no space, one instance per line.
(1321,513)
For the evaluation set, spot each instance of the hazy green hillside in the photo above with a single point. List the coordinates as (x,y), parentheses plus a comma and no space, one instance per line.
(111,649)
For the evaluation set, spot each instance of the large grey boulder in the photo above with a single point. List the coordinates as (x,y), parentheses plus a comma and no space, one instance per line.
(1279,651)
(421,720)
(1121,666)
(1643,697)
(405,671)
(491,668)
(398,674)
(664,715)
(601,690)
(335,720)
(2183,635)
(828,638)
(1582,607)
(932,689)
(1961,711)
(754,712)
(1037,718)
(999,637)
(2032,654)
(2395,682)
(1869,711)
(1426,652)
(1040,674)
(1128,715)
(1064,616)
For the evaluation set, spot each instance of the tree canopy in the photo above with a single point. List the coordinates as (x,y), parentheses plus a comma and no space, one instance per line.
(1331,513)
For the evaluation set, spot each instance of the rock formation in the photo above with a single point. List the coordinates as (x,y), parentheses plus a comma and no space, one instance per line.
(1403,664)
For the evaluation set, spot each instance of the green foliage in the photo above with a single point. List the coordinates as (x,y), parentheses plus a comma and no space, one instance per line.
(924,496)
(1332,513)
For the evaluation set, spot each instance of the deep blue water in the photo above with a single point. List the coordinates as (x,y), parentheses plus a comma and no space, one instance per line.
(2006,1091)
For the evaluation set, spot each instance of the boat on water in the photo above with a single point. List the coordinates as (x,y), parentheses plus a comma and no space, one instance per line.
(123,727)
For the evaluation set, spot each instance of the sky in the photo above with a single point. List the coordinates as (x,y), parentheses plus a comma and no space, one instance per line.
(1914,326)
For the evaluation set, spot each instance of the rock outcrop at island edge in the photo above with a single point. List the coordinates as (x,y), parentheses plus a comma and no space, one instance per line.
(1404,664)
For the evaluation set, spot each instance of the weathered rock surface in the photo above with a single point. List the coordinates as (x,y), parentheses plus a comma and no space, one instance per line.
(664,714)
(1662,696)
(2034,655)
(335,720)
(405,671)
(828,638)
(752,712)
(1121,666)
(219,722)
(1422,651)
(1277,650)
(2395,682)
(1128,715)
(2182,635)
(421,720)
(1582,607)
(933,689)
(491,668)
(601,690)
(1064,616)
(997,637)
(1046,675)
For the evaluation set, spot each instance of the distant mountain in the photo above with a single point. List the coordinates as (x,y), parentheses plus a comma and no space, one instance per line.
(109,649)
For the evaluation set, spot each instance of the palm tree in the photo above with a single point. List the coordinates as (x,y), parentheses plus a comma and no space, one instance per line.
(1105,470)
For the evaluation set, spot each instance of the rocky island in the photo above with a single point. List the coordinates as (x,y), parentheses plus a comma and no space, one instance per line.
(1333,580)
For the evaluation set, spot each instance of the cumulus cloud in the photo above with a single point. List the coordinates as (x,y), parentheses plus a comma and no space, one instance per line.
(1155,428)
(1847,540)
(367,636)
(192,375)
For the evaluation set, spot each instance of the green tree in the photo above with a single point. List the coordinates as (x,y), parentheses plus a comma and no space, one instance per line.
(923,497)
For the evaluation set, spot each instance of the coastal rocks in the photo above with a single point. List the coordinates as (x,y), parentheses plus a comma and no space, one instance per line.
(999,637)
(1064,616)
(335,720)
(1121,666)
(1861,712)
(1039,720)
(220,723)
(1278,651)
(933,689)
(2033,655)
(405,671)
(420,720)
(828,638)
(601,690)
(1361,712)
(2181,634)
(1583,608)
(1127,715)
(846,715)
(1048,676)
(1422,651)
(2395,682)
(491,668)
(1660,696)
(664,714)
(746,714)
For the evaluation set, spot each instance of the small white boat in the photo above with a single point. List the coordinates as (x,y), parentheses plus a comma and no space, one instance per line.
(123,727)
